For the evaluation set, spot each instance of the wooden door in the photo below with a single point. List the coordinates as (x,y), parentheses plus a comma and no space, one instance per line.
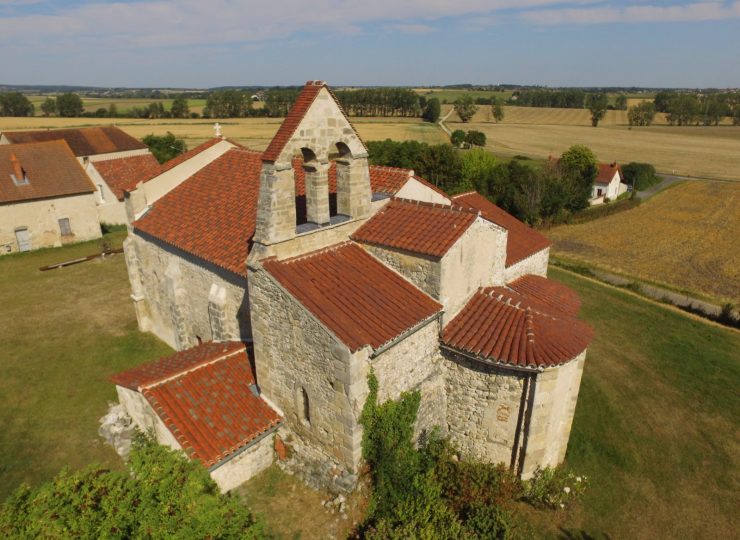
(23,239)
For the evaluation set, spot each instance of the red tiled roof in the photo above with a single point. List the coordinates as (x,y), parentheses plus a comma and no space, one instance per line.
(390,180)
(83,141)
(354,295)
(175,161)
(606,173)
(522,242)
(550,294)
(124,174)
(211,410)
(212,214)
(505,327)
(51,168)
(430,229)
(169,366)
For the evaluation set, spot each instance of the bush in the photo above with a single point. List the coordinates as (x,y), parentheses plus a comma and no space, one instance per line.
(457,138)
(165,147)
(553,488)
(640,175)
(161,495)
(475,138)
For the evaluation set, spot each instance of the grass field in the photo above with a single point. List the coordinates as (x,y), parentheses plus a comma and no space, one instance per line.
(252,132)
(124,105)
(687,237)
(63,333)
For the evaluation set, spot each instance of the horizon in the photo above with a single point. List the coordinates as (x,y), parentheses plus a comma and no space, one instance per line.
(191,45)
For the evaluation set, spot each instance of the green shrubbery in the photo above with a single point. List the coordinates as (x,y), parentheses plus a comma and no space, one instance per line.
(161,495)
(640,175)
(430,493)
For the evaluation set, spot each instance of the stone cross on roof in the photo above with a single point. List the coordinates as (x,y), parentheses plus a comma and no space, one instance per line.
(217,129)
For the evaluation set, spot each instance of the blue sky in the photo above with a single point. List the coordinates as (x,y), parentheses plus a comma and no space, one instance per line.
(202,43)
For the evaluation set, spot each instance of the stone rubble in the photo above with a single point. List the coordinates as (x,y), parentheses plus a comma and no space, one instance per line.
(117,428)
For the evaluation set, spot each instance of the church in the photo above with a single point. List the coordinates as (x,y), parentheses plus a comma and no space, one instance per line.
(283,277)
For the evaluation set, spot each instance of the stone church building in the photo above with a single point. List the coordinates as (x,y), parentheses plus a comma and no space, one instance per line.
(283,277)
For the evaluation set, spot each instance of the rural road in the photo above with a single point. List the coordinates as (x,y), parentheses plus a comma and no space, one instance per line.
(441,123)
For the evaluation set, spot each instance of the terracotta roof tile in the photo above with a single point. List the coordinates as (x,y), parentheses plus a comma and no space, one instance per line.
(354,295)
(212,214)
(523,241)
(175,161)
(606,173)
(51,168)
(430,229)
(168,366)
(83,141)
(552,295)
(213,410)
(390,180)
(124,174)
(502,326)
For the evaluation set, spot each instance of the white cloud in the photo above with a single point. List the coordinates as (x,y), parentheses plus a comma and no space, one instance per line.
(696,12)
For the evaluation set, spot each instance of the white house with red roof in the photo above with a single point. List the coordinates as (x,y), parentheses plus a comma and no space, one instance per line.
(609,183)
(328,268)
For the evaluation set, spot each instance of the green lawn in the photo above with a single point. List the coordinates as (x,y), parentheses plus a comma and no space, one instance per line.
(656,427)
(63,333)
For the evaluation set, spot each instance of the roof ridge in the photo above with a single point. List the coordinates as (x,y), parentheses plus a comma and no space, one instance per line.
(466,193)
(313,253)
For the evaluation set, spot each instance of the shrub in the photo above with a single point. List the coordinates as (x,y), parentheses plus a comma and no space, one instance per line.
(475,138)
(458,137)
(553,488)
(640,175)
(490,522)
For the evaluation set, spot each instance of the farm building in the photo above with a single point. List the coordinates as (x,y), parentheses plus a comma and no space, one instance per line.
(46,199)
(609,183)
(284,277)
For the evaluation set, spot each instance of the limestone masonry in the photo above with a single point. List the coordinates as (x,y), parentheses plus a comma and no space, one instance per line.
(283,278)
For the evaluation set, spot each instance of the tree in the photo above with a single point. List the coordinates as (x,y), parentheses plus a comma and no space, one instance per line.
(597,104)
(432,110)
(475,138)
(621,102)
(155,110)
(180,108)
(683,109)
(457,138)
(161,495)
(476,168)
(112,110)
(498,110)
(662,99)
(15,104)
(465,108)
(579,167)
(736,116)
(49,106)
(641,114)
(640,175)
(165,147)
(69,105)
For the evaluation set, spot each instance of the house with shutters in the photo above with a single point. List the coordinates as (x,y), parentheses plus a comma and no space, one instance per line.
(283,277)
(46,199)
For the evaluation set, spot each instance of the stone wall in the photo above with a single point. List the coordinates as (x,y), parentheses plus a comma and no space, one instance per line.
(41,218)
(180,298)
(534,264)
(144,417)
(476,260)
(422,271)
(110,209)
(554,405)
(254,459)
(306,372)
(415,363)
(483,404)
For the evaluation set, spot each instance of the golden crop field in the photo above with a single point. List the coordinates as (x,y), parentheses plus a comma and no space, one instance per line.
(687,237)
(253,133)
(92,104)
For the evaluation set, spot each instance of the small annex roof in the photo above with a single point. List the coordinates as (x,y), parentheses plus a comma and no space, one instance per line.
(125,173)
(177,160)
(523,241)
(296,114)
(207,398)
(550,294)
(40,171)
(606,173)
(419,227)
(501,326)
(88,141)
(356,297)
(390,180)
(212,215)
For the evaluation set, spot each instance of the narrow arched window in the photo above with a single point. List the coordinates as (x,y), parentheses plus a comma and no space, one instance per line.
(306,406)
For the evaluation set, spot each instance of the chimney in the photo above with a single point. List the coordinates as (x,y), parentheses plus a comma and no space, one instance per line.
(18,172)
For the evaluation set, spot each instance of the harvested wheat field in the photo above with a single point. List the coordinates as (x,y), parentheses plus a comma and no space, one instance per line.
(254,133)
(687,237)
